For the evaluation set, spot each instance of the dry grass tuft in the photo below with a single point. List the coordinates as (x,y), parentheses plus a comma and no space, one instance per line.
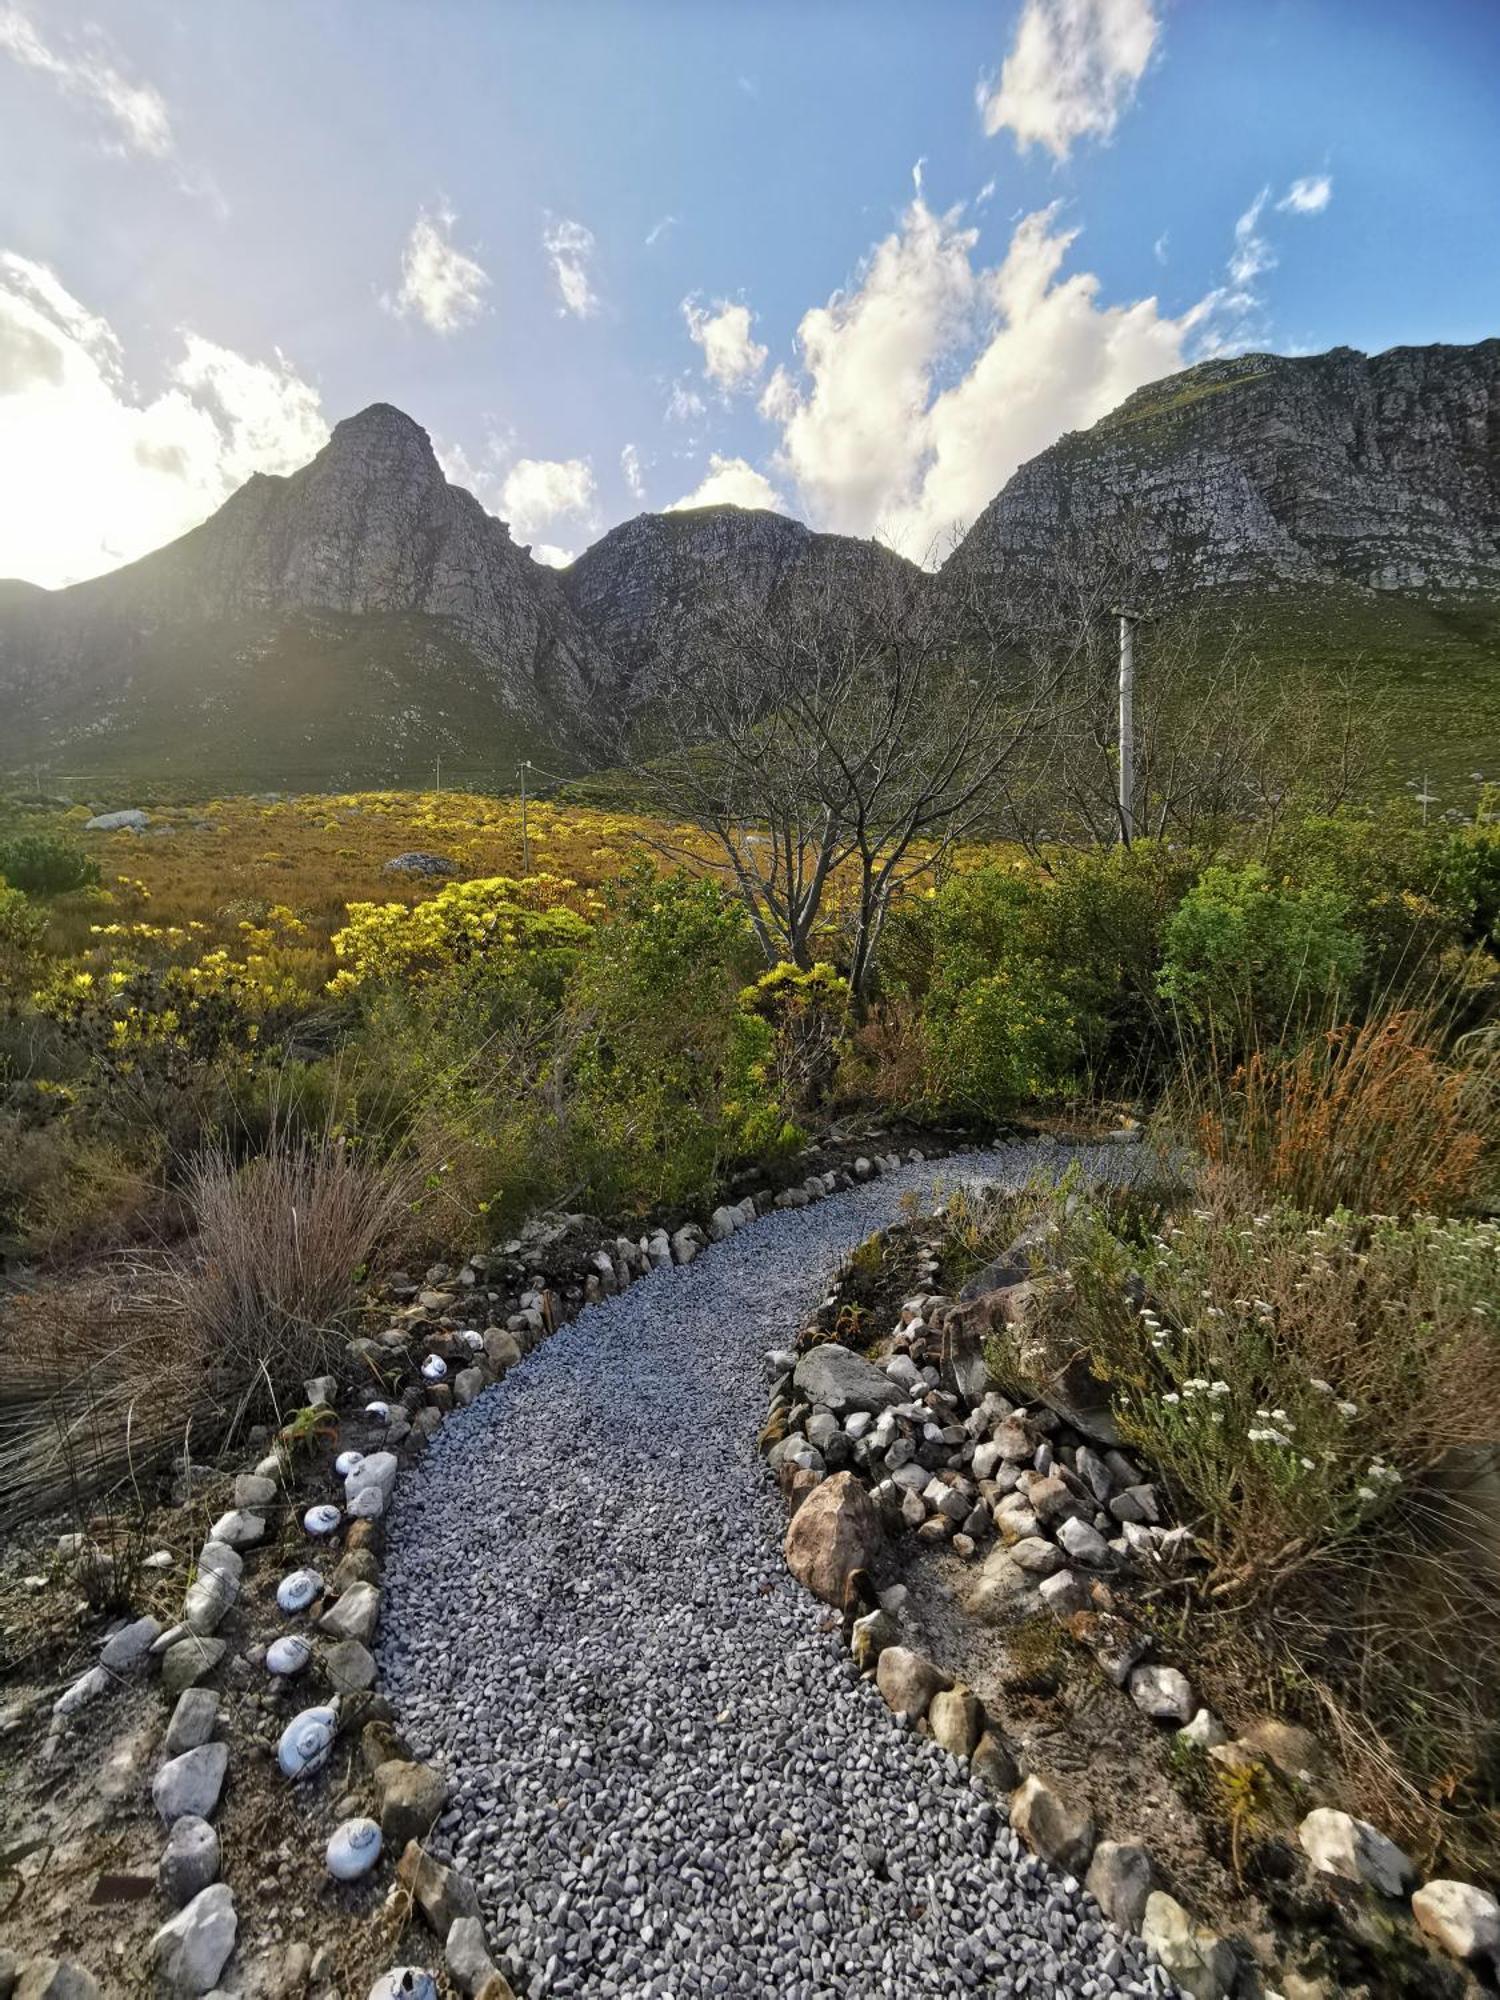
(103,1385)
(1369,1117)
(280,1243)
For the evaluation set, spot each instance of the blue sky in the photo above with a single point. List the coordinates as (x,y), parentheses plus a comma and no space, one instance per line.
(850,258)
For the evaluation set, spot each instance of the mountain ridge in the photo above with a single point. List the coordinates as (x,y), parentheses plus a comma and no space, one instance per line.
(364,614)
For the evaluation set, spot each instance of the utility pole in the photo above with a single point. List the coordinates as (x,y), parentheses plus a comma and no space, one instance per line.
(525,840)
(1128,621)
(439,777)
(1425,798)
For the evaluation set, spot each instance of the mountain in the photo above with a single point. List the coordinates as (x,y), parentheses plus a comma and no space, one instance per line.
(1381,473)
(354,620)
(651,584)
(1343,511)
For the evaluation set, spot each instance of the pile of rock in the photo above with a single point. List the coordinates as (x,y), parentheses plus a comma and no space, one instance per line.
(1052,1515)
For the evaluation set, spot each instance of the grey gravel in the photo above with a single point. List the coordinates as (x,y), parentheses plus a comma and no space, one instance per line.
(666,1780)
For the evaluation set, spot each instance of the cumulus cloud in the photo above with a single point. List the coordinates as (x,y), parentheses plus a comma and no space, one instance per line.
(731,357)
(1071,71)
(923,386)
(85,70)
(731,482)
(554,557)
(1308,196)
(441,285)
(569,246)
(635,478)
(538,491)
(97,475)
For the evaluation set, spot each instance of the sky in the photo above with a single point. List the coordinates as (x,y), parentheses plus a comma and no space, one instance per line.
(853,259)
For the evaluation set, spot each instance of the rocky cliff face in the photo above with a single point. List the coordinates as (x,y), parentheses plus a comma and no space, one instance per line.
(652,585)
(1380,472)
(367,539)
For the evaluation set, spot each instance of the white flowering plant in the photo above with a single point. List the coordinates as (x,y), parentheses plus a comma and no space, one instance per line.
(1291,1377)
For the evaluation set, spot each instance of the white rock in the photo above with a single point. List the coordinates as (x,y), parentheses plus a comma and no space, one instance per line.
(347,1462)
(378,1412)
(434,1368)
(130,1645)
(1083,1543)
(297,1589)
(307,1742)
(354,1615)
(721,1224)
(322,1520)
(192,1948)
(353,1849)
(1204,1732)
(132,820)
(1162,1693)
(288,1656)
(190,1783)
(239,1529)
(1462,1919)
(410,1982)
(88,1687)
(1352,1849)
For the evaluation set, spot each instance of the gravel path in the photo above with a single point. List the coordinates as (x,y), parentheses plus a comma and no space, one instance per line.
(667,1779)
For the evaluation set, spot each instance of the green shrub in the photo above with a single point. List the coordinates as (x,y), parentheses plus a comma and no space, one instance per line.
(667,1077)
(1251,955)
(44,865)
(21,928)
(996,1041)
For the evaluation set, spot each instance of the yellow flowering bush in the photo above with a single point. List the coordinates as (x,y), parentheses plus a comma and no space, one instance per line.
(500,916)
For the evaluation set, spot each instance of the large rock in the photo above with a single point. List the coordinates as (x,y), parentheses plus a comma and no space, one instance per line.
(189,1861)
(1053,1825)
(192,1948)
(191,1784)
(443,1895)
(1199,1960)
(355,1615)
(418,862)
(1162,1693)
(842,1382)
(1338,1844)
(132,819)
(1120,1879)
(411,1797)
(1462,1919)
(55,1979)
(956,1718)
(834,1532)
(908,1681)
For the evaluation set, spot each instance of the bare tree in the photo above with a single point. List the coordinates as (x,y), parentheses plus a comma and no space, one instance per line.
(837,746)
(1223,733)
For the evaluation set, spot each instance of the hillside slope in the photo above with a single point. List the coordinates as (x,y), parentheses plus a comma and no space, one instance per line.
(354,620)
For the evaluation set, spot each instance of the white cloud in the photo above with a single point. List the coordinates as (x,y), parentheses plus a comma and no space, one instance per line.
(95,474)
(1072,70)
(1252,254)
(569,246)
(659,229)
(86,71)
(441,285)
(635,478)
(684,404)
(537,491)
(931,379)
(554,557)
(731,482)
(1308,196)
(731,358)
